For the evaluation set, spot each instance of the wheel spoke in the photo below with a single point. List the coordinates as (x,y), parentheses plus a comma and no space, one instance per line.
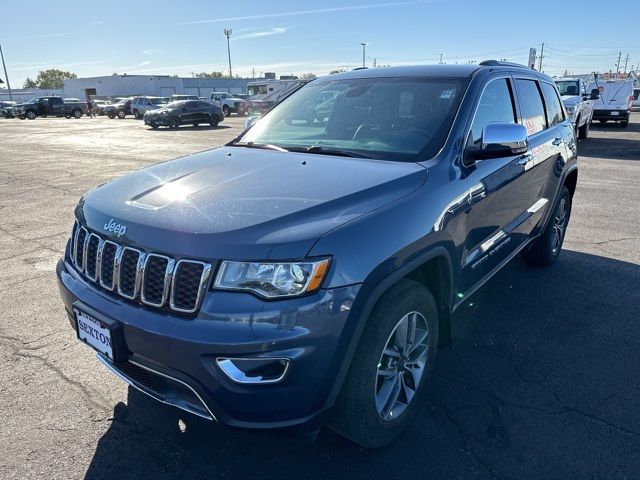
(408,391)
(388,396)
(401,335)
(419,340)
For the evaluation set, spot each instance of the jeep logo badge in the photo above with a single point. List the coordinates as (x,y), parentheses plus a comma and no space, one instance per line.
(117,228)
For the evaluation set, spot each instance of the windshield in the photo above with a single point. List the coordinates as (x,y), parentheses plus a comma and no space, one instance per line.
(405,119)
(257,89)
(569,87)
(175,104)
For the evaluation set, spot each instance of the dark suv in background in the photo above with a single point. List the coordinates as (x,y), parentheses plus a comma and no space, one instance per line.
(184,112)
(307,271)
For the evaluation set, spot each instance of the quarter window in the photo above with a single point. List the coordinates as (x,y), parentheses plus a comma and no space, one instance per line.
(496,105)
(531,106)
(554,110)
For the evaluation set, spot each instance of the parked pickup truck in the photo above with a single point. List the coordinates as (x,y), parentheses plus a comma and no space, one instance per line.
(307,272)
(578,103)
(49,107)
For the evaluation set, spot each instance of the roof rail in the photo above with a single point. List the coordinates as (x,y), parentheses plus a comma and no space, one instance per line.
(496,63)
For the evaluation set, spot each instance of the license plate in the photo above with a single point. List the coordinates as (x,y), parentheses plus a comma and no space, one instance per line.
(94,333)
(615,113)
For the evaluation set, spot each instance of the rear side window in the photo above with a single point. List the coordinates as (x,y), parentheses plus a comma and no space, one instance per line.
(554,110)
(496,105)
(531,106)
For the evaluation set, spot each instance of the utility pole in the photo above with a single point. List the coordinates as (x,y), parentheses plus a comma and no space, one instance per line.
(228,32)
(441,55)
(626,60)
(364,48)
(541,57)
(6,77)
(618,63)
(375,62)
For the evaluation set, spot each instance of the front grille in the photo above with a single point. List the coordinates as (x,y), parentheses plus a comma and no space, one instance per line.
(149,278)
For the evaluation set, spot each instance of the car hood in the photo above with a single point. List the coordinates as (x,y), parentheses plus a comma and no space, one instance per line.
(241,203)
(571,99)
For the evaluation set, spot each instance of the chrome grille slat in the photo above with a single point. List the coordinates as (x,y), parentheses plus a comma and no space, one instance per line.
(152,279)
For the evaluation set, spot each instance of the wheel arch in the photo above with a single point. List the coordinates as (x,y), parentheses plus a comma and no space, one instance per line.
(432,268)
(571,181)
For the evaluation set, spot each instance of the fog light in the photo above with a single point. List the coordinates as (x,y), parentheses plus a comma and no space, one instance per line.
(254,370)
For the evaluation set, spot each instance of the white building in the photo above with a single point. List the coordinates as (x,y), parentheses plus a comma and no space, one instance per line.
(153,85)
(25,94)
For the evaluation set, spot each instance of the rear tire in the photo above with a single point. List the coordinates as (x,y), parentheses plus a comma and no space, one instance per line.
(583,131)
(136,115)
(226,110)
(385,383)
(111,116)
(174,122)
(77,114)
(154,126)
(546,249)
(213,123)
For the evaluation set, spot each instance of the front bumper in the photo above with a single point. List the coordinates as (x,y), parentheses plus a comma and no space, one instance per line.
(307,331)
(612,115)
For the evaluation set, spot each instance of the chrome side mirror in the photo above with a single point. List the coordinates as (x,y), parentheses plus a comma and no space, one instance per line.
(501,140)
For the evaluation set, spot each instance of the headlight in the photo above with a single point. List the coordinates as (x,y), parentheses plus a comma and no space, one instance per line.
(272,280)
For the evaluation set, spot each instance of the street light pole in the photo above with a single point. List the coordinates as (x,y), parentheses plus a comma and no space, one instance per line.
(5,74)
(228,32)
(364,48)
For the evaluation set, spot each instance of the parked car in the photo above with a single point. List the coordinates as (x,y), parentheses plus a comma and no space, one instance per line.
(578,103)
(229,103)
(184,112)
(253,105)
(614,104)
(6,108)
(48,107)
(141,105)
(100,106)
(304,273)
(120,109)
(175,98)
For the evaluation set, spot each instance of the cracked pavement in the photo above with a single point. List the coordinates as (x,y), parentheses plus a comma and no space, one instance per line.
(540,382)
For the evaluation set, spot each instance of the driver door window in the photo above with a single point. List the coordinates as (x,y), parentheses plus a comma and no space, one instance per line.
(496,105)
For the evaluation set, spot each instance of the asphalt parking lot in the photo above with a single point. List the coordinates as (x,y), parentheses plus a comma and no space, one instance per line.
(541,381)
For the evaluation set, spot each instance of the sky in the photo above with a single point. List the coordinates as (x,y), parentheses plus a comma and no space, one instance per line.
(292,37)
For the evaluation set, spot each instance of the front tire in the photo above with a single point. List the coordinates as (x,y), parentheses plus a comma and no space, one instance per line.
(174,122)
(121,114)
(546,249)
(77,114)
(31,115)
(386,380)
(136,115)
(226,110)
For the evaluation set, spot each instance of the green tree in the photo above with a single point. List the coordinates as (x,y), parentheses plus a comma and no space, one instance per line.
(209,75)
(30,83)
(53,78)
(337,70)
(308,76)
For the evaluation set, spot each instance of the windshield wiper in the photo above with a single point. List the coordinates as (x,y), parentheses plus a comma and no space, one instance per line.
(262,146)
(328,151)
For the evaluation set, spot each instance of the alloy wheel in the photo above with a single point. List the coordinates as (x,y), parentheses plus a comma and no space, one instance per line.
(559,224)
(401,366)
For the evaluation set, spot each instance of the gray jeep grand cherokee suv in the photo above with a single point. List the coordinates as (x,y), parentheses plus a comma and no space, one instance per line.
(307,271)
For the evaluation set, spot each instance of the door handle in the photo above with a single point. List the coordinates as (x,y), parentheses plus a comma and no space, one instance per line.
(558,141)
(523,160)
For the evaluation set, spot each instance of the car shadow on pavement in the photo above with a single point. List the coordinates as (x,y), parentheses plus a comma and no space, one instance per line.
(540,382)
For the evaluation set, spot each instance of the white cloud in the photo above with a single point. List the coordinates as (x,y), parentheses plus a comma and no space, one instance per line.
(308,12)
(264,33)
(151,51)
